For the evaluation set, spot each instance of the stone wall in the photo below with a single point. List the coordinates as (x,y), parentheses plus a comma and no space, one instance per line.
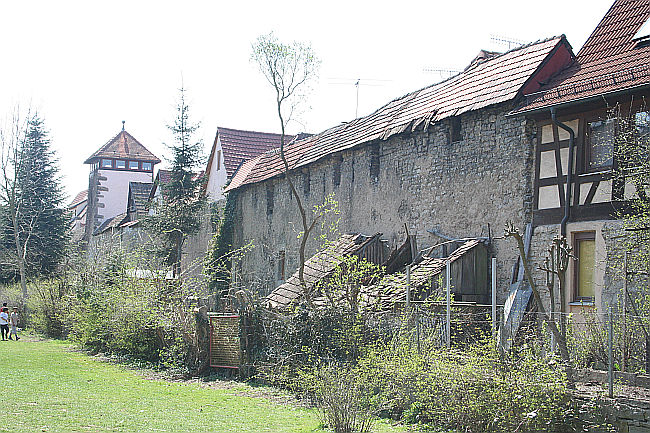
(419,178)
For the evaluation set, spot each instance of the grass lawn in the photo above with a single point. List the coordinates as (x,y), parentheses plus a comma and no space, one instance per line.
(48,388)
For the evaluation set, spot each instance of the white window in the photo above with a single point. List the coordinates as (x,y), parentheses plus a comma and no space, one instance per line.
(133,165)
(120,164)
(146,166)
(107,163)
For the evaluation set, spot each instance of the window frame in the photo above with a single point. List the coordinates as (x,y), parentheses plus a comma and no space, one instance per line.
(588,146)
(578,237)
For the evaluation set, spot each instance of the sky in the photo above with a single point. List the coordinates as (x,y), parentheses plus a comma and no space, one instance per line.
(86,66)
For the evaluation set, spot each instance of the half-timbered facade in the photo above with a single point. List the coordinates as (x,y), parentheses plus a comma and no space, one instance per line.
(577,191)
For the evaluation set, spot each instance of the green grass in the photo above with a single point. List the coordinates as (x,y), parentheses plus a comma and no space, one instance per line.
(47,387)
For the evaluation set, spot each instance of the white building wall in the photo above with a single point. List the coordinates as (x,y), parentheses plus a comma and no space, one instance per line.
(113,191)
(217,178)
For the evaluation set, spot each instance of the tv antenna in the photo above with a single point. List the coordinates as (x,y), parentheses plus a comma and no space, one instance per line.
(443,72)
(507,40)
(358,82)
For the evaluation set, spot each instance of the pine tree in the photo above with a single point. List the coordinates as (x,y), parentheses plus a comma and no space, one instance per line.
(179,214)
(35,227)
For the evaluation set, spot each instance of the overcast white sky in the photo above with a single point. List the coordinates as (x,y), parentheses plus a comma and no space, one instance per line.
(87,65)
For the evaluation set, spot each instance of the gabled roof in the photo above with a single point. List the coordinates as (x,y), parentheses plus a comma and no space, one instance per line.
(319,267)
(123,145)
(139,195)
(79,198)
(239,146)
(610,61)
(490,81)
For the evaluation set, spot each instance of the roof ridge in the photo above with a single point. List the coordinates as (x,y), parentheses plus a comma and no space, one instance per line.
(220,128)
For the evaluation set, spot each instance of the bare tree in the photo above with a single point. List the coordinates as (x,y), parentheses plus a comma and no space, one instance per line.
(512,232)
(35,230)
(12,140)
(289,68)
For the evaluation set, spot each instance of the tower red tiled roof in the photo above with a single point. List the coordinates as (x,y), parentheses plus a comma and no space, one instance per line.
(492,81)
(123,145)
(610,61)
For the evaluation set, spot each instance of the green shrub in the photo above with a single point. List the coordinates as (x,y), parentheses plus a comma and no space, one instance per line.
(342,398)
(471,391)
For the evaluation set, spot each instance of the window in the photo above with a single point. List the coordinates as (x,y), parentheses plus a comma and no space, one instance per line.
(374,162)
(218,160)
(599,145)
(455,129)
(336,175)
(281,265)
(306,182)
(120,164)
(133,165)
(584,267)
(107,163)
(269,199)
(146,166)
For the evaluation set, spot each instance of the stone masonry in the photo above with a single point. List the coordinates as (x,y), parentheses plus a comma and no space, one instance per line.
(419,178)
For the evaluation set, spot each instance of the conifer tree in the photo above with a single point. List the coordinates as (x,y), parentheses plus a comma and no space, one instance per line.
(35,231)
(179,214)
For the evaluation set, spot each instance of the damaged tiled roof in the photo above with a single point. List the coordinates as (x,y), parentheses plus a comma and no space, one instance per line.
(111,223)
(318,267)
(491,81)
(392,288)
(123,145)
(139,195)
(610,61)
(239,146)
(79,198)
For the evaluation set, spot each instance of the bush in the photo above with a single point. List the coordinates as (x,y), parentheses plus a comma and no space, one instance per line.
(473,390)
(48,305)
(341,397)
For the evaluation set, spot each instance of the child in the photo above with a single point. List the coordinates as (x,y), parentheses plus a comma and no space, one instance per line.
(13,323)
(4,323)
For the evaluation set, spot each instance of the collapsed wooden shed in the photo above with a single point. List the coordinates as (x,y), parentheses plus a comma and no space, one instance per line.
(322,264)
(469,278)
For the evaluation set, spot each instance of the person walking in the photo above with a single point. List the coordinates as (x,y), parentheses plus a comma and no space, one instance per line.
(13,324)
(4,323)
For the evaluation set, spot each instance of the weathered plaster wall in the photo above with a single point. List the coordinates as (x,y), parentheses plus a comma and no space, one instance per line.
(416,178)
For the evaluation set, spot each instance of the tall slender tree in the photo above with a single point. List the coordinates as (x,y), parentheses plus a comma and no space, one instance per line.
(289,69)
(179,213)
(35,227)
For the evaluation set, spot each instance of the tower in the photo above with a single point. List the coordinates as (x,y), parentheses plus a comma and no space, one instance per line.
(120,161)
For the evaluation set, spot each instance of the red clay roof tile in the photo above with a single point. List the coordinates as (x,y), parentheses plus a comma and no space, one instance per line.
(610,61)
(492,81)
(123,145)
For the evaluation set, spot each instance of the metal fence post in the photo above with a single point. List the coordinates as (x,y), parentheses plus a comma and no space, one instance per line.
(408,287)
(494,298)
(610,369)
(448,305)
